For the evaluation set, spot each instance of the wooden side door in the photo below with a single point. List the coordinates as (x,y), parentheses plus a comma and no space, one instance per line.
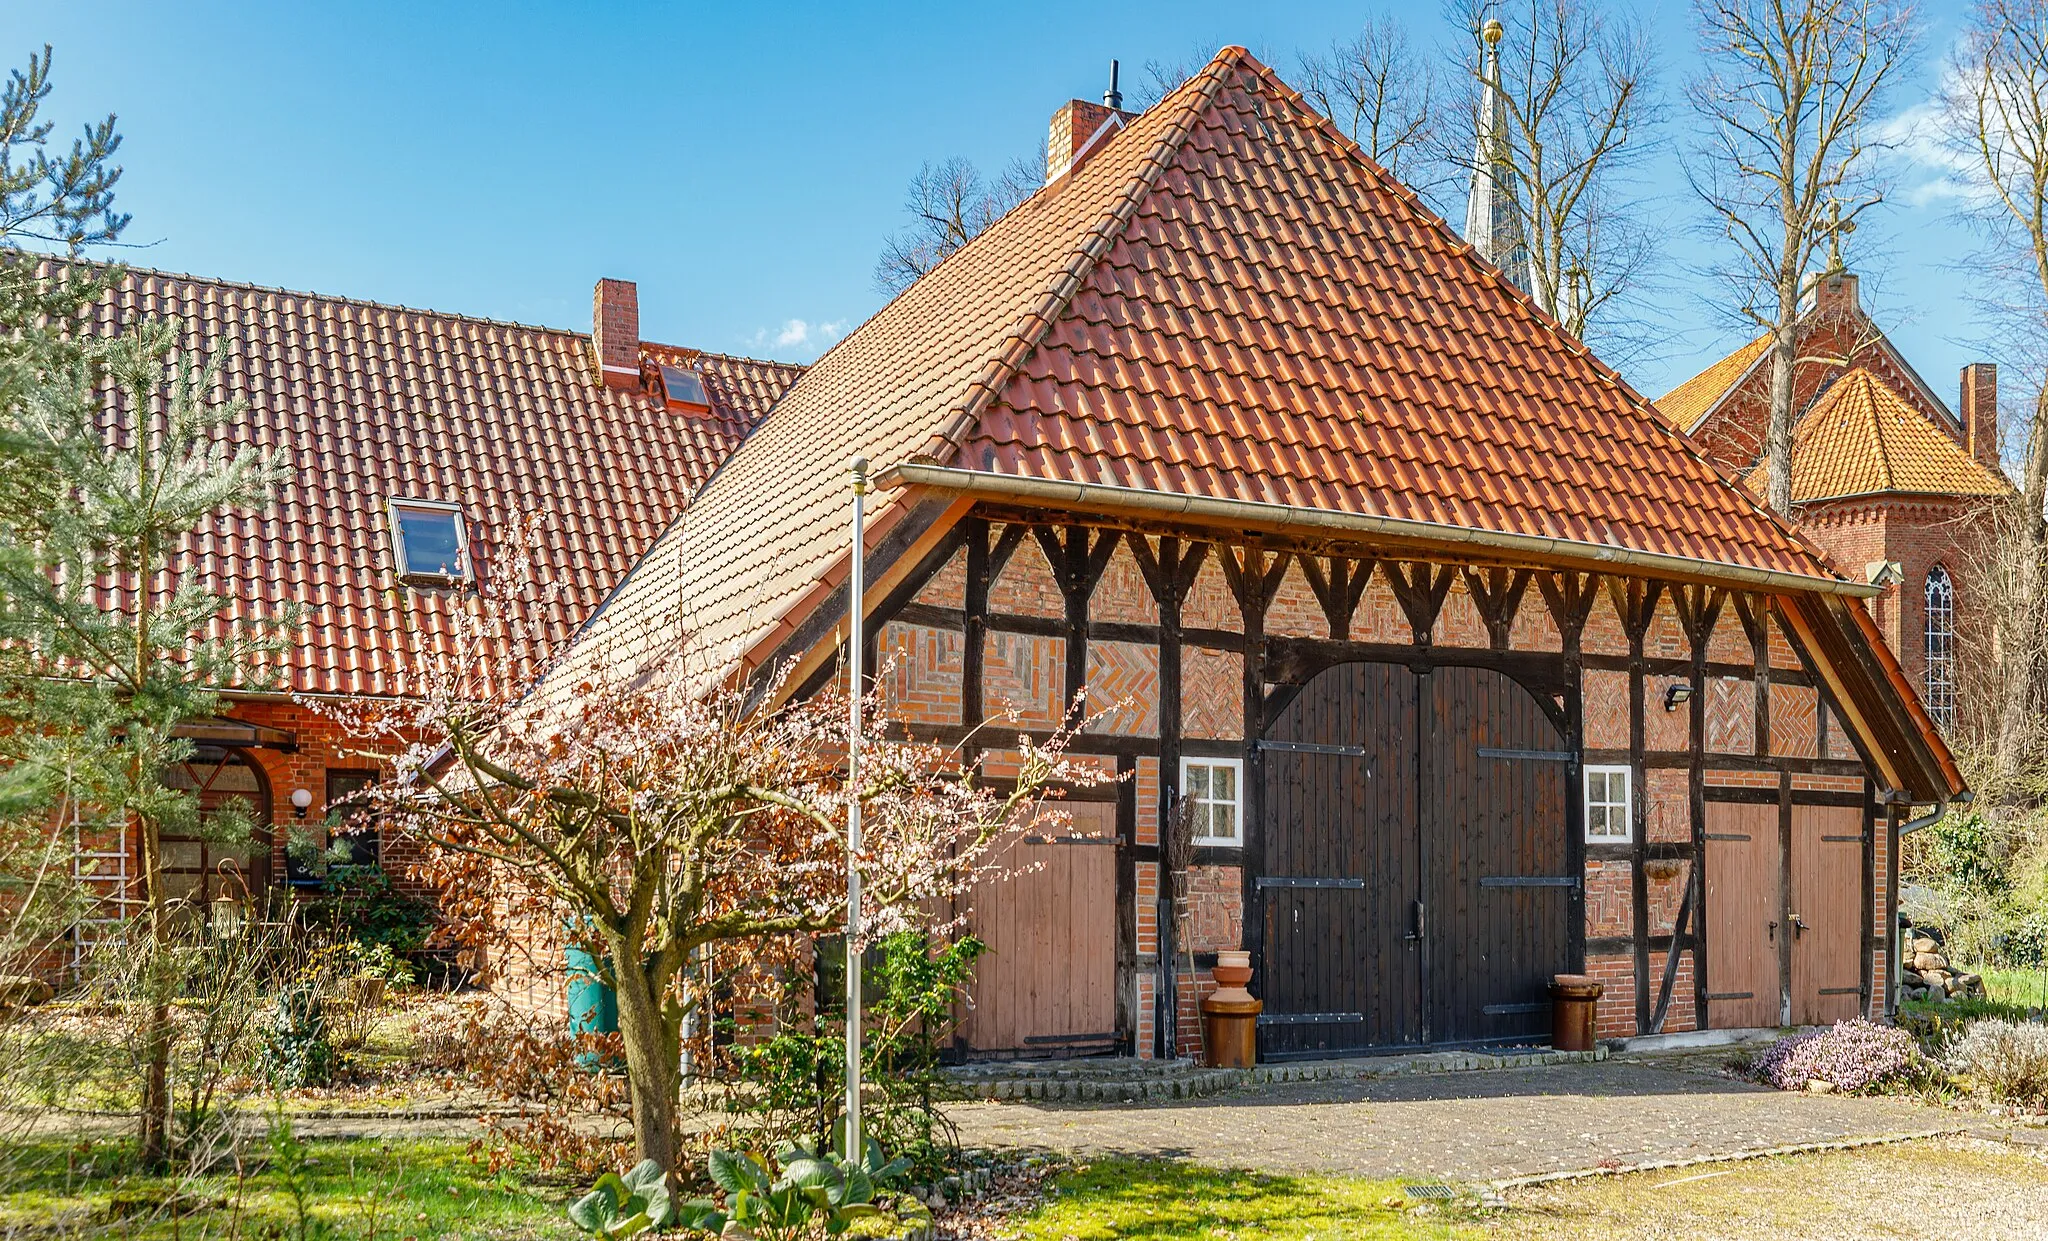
(1495,848)
(1744,911)
(1825,914)
(1047,985)
(1341,963)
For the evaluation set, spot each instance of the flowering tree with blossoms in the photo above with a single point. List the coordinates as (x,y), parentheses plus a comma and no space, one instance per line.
(662,811)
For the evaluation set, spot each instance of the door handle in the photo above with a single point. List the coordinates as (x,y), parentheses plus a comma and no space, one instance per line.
(1799,926)
(1774,930)
(1421,922)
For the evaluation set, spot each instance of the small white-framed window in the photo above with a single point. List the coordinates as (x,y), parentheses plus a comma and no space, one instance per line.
(1216,787)
(431,540)
(1610,810)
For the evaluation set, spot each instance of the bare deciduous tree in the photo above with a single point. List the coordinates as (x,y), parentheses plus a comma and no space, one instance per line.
(1162,75)
(1575,95)
(648,818)
(1380,92)
(1994,119)
(1786,105)
(948,204)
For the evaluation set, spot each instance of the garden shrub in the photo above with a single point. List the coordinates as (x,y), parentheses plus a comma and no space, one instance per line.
(793,1082)
(567,1117)
(297,1051)
(2010,1060)
(1937,1026)
(1856,1056)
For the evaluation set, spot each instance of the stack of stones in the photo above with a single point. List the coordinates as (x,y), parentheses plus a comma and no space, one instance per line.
(1925,974)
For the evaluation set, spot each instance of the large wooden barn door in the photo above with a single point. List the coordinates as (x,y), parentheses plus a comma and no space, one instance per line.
(1744,915)
(1499,903)
(1827,888)
(1048,983)
(1343,965)
(1415,887)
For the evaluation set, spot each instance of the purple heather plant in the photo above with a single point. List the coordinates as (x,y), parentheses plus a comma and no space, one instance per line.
(1855,1056)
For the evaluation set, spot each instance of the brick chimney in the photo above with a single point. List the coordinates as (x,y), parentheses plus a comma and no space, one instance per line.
(615,332)
(1072,126)
(1834,292)
(1077,121)
(1979,411)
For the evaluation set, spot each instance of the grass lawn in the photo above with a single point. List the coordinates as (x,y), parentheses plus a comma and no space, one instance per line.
(1121,1198)
(432,1191)
(387,1190)
(2022,987)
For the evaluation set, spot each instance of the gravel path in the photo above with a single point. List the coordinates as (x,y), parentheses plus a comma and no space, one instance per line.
(1459,1126)
(1945,1189)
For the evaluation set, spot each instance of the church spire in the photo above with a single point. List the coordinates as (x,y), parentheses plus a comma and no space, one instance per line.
(1493,211)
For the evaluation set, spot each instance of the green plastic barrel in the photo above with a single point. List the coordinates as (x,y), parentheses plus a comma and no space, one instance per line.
(593,1003)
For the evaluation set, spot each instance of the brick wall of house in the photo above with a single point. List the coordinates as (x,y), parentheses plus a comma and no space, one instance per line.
(1917,533)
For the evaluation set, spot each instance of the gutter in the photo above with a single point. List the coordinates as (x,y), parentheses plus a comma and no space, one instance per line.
(1239,513)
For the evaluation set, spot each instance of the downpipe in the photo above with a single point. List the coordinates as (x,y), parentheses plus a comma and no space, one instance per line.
(1891,931)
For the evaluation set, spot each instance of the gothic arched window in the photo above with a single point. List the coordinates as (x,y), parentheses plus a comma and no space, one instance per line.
(1941,647)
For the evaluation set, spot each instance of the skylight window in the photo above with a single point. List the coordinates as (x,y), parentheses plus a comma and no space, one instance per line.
(431,541)
(683,387)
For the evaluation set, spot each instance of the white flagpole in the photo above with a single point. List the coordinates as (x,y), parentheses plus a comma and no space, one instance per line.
(856,651)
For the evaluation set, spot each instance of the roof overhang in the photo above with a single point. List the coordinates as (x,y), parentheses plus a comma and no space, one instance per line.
(1258,515)
(225,730)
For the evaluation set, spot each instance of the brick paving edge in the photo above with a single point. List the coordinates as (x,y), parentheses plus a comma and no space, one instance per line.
(1761,1152)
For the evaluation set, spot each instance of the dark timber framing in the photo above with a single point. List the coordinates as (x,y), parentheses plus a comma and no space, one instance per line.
(1274,668)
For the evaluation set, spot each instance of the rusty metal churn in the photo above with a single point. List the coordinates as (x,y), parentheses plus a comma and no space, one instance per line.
(1230,1016)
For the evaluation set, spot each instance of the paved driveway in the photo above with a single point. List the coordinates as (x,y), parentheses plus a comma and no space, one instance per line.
(1459,1126)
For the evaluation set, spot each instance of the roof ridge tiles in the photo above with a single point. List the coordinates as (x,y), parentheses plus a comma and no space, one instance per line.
(203,283)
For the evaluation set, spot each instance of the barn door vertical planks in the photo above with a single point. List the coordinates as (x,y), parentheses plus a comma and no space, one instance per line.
(1827,887)
(1745,912)
(1417,886)
(1500,888)
(1341,968)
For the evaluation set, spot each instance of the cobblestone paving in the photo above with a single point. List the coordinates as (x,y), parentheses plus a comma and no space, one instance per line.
(1459,1126)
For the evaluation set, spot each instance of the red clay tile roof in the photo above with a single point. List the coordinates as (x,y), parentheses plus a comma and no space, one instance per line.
(371,401)
(1227,299)
(1861,438)
(1689,403)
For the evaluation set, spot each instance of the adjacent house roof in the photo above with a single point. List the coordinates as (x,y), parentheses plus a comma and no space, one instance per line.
(1689,403)
(370,402)
(1725,408)
(1227,299)
(1861,437)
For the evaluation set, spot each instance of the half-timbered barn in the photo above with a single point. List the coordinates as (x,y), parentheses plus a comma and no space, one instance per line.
(1474,669)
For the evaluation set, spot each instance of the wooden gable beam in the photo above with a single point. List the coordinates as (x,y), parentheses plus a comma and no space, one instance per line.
(1420,588)
(1570,597)
(1497,593)
(1338,588)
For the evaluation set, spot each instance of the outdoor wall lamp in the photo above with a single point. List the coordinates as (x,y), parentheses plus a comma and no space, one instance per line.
(301,798)
(1676,693)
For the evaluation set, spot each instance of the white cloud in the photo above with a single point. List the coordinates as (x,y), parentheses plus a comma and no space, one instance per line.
(1932,172)
(799,334)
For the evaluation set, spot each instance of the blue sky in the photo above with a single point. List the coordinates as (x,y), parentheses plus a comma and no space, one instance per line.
(742,163)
